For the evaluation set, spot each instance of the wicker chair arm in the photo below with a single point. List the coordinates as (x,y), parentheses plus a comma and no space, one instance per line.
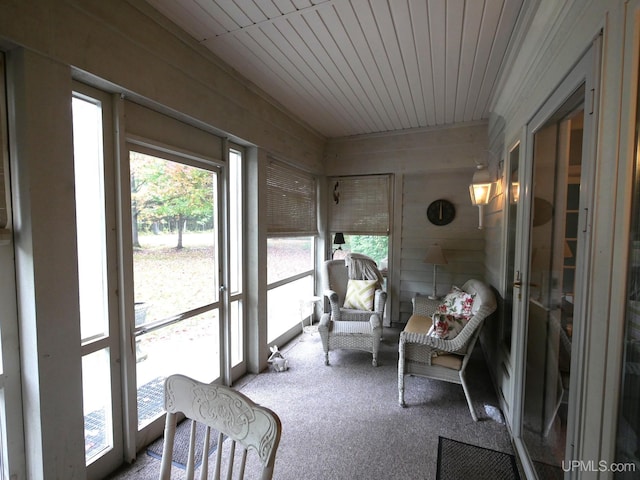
(434,344)
(457,344)
(334,303)
(379,301)
(424,306)
(325,319)
(375,321)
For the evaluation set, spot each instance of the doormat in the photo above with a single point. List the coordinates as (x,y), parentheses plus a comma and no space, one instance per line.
(458,460)
(181,444)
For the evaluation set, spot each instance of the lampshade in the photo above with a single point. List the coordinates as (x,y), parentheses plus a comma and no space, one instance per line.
(481,188)
(338,239)
(435,256)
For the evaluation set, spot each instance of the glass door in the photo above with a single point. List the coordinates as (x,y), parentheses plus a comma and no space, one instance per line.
(176,238)
(552,293)
(551,290)
(628,436)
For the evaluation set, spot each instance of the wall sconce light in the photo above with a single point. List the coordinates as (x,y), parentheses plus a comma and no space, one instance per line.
(435,257)
(481,190)
(338,239)
(515,192)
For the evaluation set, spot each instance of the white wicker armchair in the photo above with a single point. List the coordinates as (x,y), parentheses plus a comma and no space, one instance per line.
(432,357)
(344,327)
(335,276)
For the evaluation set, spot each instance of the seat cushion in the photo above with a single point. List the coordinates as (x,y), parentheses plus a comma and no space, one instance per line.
(447,360)
(418,324)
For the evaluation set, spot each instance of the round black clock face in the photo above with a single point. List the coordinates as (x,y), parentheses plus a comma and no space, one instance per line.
(441,212)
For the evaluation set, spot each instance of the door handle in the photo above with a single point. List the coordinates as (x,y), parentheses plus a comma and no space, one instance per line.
(517,283)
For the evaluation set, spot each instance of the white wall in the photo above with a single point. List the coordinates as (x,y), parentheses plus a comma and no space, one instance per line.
(428,164)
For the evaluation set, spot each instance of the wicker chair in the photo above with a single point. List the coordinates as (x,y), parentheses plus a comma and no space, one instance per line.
(344,327)
(426,356)
(335,276)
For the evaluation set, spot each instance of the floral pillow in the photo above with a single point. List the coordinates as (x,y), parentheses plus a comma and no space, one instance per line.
(446,327)
(360,294)
(457,303)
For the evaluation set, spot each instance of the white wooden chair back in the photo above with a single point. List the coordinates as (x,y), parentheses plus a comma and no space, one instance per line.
(232,414)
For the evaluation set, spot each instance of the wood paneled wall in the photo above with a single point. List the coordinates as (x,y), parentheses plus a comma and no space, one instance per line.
(461,241)
(427,164)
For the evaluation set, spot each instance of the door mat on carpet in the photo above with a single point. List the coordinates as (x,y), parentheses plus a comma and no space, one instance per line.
(458,460)
(181,444)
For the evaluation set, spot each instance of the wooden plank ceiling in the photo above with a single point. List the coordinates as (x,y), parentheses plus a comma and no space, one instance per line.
(350,67)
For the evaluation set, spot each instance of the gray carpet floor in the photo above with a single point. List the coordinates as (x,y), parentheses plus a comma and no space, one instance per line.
(343,421)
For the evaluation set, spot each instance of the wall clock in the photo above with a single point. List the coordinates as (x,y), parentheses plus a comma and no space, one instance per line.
(441,212)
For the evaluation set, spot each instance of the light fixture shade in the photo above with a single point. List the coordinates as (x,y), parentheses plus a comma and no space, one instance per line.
(435,256)
(481,188)
(515,192)
(338,239)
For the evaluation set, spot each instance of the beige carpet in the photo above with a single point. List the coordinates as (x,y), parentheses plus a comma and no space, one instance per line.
(343,421)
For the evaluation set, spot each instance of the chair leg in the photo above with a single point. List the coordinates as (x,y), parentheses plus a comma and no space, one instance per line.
(401,391)
(468,397)
(374,362)
(401,375)
(326,358)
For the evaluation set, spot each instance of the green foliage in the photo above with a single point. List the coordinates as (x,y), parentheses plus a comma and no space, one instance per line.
(169,193)
(375,246)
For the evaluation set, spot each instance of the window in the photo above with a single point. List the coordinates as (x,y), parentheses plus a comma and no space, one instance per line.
(292,227)
(236,242)
(98,342)
(374,246)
